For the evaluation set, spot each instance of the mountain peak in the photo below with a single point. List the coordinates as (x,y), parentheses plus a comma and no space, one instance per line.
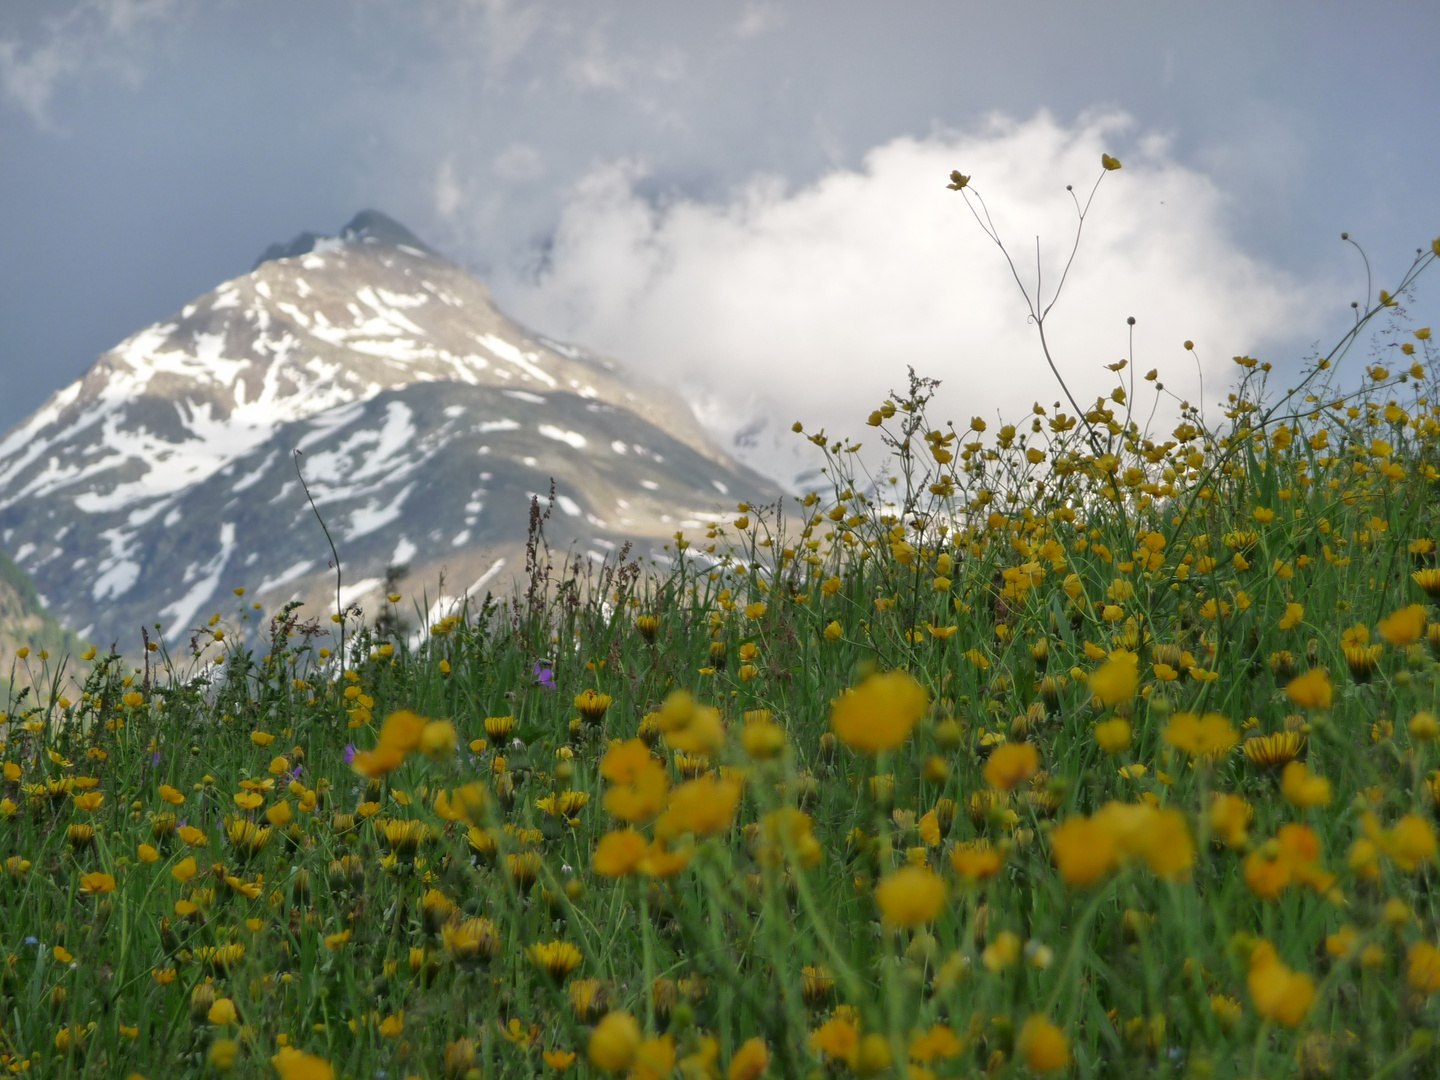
(428,420)
(368,226)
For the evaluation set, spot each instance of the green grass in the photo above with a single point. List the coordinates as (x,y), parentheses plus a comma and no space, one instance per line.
(1145,976)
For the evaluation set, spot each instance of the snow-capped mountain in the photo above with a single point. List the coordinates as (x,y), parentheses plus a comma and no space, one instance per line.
(424,420)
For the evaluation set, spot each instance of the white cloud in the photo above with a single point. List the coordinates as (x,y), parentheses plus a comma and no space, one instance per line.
(78,39)
(756,19)
(809,304)
(449,195)
(519,161)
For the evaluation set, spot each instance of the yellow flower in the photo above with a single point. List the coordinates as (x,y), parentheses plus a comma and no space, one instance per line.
(556,958)
(1211,735)
(1303,788)
(1011,765)
(1311,690)
(97,883)
(393,1026)
(1280,995)
(380,761)
(1113,735)
(292,1064)
(618,853)
(1294,613)
(1084,851)
(170,795)
(976,861)
(147,853)
(939,1042)
(261,739)
(912,896)
(559,1060)
(592,705)
(1116,680)
(1109,164)
(1422,969)
(223,1054)
(1230,817)
(1273,751)
(437,739)
(1041,1044)
(184,870)
(614,1042)
(750,1061)
(638,781)
(704,806)
(1403,627)
(834,631)
(222,1013)
(1411,842)
(880,713)
(837,1038)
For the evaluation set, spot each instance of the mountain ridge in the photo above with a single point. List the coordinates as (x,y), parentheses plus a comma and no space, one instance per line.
(159,478)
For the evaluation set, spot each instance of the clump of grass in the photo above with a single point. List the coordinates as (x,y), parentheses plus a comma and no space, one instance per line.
(1056,749)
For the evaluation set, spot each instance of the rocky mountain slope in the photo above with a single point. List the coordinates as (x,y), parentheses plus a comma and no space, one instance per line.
(423,418)
(25,626)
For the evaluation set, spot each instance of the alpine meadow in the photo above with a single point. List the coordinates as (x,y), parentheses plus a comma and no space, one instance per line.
(1062,747)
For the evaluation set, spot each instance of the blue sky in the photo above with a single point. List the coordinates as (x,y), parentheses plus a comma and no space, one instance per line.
(675,182)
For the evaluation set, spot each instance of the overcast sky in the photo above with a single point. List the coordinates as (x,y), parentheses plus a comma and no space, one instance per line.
(745,199)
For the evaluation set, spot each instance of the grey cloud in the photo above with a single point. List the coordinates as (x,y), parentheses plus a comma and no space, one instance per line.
(192,140)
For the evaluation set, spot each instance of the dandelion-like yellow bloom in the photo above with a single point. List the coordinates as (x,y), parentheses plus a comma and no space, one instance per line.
(976,860)
(912,896)
(1209,736)
(639,783)
(1422,968)
(559,1060)
(1010,765)
(1428,580)
(750,1060)
(1280,995)
(1117,679)
(618,853)
(592,705)
(556,958)
(817,984)
(97,883)
(704,806)
(1040,1044)
(1303,788)
(589,999)
(1113,735)
(1404,627)
(292,1064)
(880,713)
(1230,818)
(1275,750)
(470,940)
(1311,690)
(614,1043)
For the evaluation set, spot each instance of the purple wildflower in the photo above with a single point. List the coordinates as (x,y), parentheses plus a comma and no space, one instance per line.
(349,753)
(544,676)
(156,759)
